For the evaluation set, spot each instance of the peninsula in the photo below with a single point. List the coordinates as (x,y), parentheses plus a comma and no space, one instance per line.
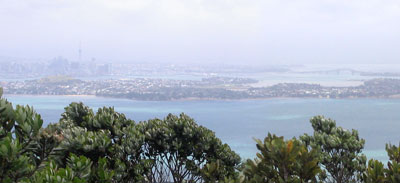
(224,88)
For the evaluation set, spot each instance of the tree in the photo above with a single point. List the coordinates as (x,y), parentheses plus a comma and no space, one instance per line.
(78,170)
(180,150)
(211,172)
(107,136)
(106,146)
(24,145)
(340,150)
(375,172)
(393,168)
(282,161)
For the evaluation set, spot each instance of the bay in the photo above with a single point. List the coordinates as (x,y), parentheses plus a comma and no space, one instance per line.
(239,122)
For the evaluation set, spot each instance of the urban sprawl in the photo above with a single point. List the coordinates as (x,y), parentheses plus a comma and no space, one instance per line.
(206,88)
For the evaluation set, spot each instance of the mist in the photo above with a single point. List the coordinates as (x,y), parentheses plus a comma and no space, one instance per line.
(204,31)
(243,69)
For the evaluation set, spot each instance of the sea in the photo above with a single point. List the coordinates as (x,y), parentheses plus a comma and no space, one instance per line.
(239,122)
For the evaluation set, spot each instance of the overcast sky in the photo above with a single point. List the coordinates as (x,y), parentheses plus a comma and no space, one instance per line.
(223,31)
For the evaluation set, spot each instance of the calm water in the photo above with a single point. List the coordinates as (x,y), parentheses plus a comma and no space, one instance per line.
(238,122)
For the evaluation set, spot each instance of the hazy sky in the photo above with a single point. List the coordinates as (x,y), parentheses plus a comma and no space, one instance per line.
(223,31)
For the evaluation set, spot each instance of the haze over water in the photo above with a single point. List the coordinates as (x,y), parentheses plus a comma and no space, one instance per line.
(360,35)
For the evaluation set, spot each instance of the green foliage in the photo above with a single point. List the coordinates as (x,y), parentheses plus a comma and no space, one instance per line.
(51,173)
(393,172)
(393,168)
(282,161)
(7,118)
(75,114)
(24,146)
(80,165)
(211,171)
(93,145)
(78,170)
(106,137)
(173,149)
(393,152)
(375,172)
(180,149)
(100,173)
(105,146)
(340,150)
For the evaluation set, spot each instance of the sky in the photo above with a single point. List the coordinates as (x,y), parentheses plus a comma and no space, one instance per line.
(204,31)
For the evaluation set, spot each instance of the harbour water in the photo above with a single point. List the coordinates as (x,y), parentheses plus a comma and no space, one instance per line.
(239,122)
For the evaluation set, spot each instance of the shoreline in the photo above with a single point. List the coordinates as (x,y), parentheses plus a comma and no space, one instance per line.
(203,99)
(43,95)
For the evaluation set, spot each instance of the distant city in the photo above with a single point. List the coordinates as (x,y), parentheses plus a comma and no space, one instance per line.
(17,69)
(14,68)
(144,81)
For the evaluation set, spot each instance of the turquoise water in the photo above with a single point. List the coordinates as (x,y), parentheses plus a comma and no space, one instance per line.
(238,122)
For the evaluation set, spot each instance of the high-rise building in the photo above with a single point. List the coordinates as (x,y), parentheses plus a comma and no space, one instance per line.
(80,53)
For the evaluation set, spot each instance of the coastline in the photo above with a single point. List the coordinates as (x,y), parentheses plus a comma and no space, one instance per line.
(28,95)
(204,99)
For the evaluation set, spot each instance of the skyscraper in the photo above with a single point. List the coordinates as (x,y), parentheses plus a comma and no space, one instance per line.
(80,53)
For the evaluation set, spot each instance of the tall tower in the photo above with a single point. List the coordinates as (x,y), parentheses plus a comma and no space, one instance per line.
(80,53)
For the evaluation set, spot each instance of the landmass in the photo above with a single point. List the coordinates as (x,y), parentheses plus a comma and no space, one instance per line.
(225,88)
